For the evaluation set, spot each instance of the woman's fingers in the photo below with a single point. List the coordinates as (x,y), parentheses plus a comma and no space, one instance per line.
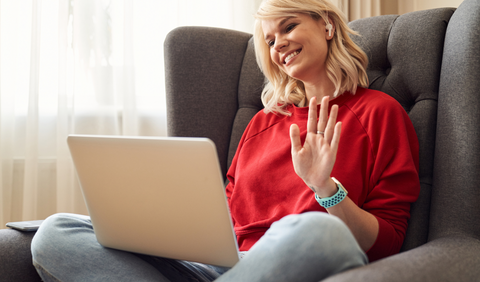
(336,137)
(295,138)
(323,117)
(312,116)
(332,119)
(325,123)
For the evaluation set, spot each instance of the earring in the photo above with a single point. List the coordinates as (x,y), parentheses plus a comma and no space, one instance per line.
(329,28)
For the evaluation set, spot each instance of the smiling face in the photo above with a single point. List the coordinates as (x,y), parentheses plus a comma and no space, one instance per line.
(298,46)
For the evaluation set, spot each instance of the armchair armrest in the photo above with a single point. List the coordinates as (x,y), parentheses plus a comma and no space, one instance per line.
(454,258)
(15,256)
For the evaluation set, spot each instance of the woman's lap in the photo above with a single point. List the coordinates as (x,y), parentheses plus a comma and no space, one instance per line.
(305,247)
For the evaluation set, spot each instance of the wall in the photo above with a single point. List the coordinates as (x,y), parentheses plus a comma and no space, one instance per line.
(430,4)
(356,9)
(405,6)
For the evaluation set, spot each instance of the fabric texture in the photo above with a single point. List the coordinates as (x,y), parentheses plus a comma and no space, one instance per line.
(15,256)
(453,258)
(457,141)
(377,162)
(295,248)
(189,113)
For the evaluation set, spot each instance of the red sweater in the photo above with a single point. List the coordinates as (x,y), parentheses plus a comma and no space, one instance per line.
(377,162)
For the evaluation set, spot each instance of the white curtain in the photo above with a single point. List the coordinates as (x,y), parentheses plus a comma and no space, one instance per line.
(83,67)
(357,9)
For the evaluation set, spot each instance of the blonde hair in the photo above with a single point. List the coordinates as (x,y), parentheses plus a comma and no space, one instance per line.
(346,63)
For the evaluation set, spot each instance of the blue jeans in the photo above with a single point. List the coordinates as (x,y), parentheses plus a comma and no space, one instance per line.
(303,247)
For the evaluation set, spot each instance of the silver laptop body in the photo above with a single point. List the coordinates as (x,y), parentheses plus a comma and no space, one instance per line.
(157,196)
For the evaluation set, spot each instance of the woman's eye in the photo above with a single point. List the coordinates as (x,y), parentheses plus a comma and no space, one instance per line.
(290,27)
(270,43)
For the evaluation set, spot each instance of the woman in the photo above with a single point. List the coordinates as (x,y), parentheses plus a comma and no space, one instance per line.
(292,213)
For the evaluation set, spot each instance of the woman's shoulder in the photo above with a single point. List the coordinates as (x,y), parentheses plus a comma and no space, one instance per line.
(373,101)
(376,110)
(375,97)
(264,120)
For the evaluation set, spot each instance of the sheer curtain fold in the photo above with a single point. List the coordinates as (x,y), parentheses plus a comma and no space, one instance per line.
(357,9)
(83,67)
(129,114)
(30,190)
(365,8)
(64,172)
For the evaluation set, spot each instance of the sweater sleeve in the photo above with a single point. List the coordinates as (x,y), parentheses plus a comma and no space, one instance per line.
(232,172)
(233,167)
(258,123)
(394,178)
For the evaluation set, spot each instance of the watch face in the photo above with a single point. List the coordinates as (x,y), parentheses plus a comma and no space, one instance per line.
(339,185)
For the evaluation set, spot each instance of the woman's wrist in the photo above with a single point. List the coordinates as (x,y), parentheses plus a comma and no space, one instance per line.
(327,190)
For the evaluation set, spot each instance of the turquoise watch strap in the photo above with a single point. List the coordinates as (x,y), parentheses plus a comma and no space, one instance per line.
(335,199)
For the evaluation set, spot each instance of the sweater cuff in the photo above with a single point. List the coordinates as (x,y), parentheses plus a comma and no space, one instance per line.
(384,242)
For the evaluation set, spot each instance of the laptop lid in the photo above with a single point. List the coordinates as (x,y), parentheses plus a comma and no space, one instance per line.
(157,196)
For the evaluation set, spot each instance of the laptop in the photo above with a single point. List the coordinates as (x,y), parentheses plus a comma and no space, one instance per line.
(160,196)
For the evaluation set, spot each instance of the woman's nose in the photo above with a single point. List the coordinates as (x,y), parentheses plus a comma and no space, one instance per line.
(280,42)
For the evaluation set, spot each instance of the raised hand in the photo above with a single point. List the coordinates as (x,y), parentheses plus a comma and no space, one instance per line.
(314,161)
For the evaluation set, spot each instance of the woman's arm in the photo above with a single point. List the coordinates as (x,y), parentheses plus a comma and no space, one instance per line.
(314,162)
(363,224)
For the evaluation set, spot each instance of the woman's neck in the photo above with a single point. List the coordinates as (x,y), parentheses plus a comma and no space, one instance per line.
(319,90)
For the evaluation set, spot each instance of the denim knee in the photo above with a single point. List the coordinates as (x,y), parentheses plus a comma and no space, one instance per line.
(319,233)
(65,248)
(301,247)
(317,224)
(51,235)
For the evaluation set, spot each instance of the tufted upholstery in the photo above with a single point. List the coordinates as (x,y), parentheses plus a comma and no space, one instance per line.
(455,207)
(225,92)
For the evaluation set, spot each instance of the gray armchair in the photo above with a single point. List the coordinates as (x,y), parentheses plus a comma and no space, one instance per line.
(427,60)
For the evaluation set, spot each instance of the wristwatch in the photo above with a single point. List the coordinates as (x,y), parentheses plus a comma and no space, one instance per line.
(335,199)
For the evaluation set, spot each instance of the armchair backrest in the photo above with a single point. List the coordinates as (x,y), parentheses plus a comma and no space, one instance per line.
(213,89)
(405,57)
(455,203)
(213,86)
